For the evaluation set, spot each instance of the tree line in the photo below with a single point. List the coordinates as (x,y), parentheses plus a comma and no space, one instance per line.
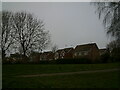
(23,33)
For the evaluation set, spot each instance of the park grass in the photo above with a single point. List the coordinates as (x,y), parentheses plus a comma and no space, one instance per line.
(26,69)
(91,80)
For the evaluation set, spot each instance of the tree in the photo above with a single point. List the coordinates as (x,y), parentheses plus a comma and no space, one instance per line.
(112,45)
(54,48)
(114,48)
(111,13)
(7,32)
(31,34)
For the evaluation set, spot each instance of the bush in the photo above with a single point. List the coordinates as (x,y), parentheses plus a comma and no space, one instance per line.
(105,58)
(115,54)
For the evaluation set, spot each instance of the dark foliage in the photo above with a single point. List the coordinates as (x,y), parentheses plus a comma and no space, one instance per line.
(74,61)
(115,54)
(59,61)
(105,58)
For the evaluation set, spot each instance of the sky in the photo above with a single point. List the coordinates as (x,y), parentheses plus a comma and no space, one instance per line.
(69,23)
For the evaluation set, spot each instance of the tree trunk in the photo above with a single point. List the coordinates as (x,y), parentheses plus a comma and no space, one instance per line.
(3,54)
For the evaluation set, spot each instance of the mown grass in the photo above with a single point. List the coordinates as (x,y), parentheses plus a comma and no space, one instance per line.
(23,69)
(91,80)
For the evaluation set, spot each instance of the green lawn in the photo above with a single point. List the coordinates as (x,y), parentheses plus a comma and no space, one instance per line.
(91,80)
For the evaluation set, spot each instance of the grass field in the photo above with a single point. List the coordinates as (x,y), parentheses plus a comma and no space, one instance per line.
(91,80)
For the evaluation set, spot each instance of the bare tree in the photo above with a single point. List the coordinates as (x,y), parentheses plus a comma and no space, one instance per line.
(111,17)
(54,48)
(7,32)
(31,34)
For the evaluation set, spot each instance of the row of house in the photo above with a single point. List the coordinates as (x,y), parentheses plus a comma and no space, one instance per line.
(90,51)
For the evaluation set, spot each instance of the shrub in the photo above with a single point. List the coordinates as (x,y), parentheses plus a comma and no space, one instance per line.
(105,58)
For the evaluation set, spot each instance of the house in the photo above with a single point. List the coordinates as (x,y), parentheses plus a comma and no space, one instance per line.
(102,51)
(59,54)
(89,51)
(47,56)
(66,53)
(16,57)
(35,57)
(50,56)
(44,56)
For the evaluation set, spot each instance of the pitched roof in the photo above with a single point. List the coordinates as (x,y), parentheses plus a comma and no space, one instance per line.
(103,50)
(85,47)
(68,49)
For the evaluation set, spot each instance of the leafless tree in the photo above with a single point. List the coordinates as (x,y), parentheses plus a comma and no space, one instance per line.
(111,17)
(54,48)
(31,34)
(7,32)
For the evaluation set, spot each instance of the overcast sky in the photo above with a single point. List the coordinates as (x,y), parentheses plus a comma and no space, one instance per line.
(69,24)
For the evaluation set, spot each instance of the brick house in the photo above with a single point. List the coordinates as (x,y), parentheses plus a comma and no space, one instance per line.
(44,56)
(59,54)
(102,51)
(50,56)
(35,57)
(18,57)
(89,51)
(47,56)
(66,53)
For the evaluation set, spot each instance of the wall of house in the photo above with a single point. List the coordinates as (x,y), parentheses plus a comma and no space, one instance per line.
(81,54)
(35,58)
(94,54)
(68,55)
